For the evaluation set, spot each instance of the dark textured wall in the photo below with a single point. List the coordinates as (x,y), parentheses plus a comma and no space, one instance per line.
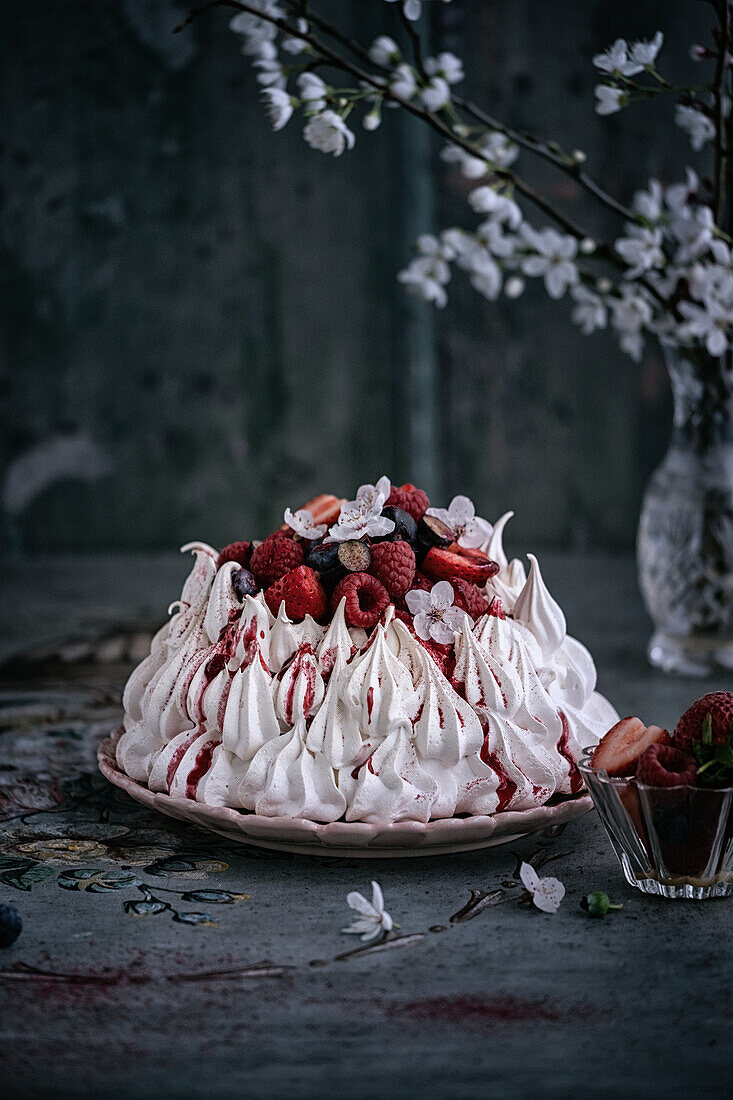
(199,318)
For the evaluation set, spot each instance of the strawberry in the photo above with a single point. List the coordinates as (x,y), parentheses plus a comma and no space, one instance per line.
(618,751)
(444,565)
(275,557)
(666,766)
(411,500)
(469,598)
(366,599)
(236,551)
(717,704)
(302,593)
(393,563)
(471,552)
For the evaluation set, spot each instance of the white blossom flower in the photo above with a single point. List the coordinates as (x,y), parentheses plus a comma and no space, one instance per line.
(270,72)
(485,200)
(313,91)
(446,65)
(498,152)
(641,250)
(385,51)
(361,517)
(328,133)
(609,99)
(257,32)
(302,523)
(693,226)
(296,45)
(547,893)
(616,60)
(435,95)
(630,313)
(468,529)
(372,120)
(279,106)
(434,615)
(427,275)
(699,128)
(590,312)
(711,323)
(553,260)
(403,82)
(373,918)
(649,203)
(645,53)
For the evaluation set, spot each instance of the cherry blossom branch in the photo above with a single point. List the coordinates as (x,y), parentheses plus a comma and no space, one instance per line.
(721,123)
(432,120)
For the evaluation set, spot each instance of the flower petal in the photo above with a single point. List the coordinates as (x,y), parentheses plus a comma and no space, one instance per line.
(442,595)
(548,895)
(418,602)
(454,618)
(377,897)
(357,901)
(461,510)
(441,514)
(529,877)
(422,625)
(363,925)
(440,633)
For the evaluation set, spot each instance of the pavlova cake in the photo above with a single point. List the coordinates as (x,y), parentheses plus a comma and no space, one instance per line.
(373,660)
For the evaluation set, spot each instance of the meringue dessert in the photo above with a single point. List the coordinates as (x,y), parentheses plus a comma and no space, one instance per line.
(373,660)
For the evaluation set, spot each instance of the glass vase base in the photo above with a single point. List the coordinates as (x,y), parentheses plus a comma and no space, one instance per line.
(689,656)
(693,890)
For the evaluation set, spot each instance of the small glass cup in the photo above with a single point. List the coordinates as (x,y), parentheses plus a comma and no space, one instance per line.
(673,841)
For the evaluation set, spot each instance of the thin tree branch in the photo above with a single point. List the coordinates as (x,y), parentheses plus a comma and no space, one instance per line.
(721,123)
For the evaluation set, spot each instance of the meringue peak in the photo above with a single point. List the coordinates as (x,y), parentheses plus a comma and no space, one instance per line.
(539,612)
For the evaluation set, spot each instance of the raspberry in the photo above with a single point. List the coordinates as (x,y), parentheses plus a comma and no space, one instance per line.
(302,593)
(469,598)
(666,766)
(236,551)
(444,565)
(366,599)
(393,563)
(422,582)
(275,557)
(411,500)
(717,704)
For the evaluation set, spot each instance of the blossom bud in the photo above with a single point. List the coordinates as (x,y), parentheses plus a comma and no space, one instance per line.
(587,246)
(604,286)
(578,156)
(513,287)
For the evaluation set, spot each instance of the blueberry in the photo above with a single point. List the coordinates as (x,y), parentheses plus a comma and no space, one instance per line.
(245,584)
(11,924)
(405,528)
(355,556)
(323,557)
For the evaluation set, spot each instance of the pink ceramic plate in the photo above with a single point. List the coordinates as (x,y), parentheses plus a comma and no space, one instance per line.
(344,838)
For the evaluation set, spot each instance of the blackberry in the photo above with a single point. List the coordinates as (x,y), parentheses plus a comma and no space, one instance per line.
(11,924)
(323,557)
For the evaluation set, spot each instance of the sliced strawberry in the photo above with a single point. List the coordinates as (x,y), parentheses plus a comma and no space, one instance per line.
(471,552)
(302,593)
(618,751)
(442,565)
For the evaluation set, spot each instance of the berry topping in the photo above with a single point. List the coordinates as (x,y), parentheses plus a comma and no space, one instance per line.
(719,706)
(496,607)
(323,556)
(469,598)
(393,563)
(302,593)
(431,531)
(354,556)
(411,500)
(366,599)
(11,924)
(618,751)
(444,565)
(275,557)
(236,551)
(244,584)
(666,766)
(405,527)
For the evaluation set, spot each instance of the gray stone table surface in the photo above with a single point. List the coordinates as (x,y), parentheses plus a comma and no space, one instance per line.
(159,960)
